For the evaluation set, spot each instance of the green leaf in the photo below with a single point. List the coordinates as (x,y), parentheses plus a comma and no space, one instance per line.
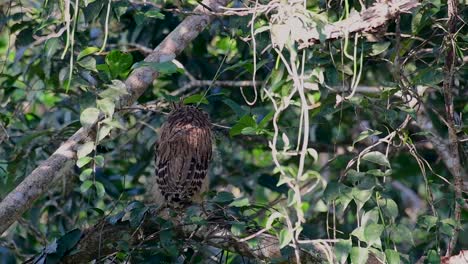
(195,99)
(89,116)
(88,63)
(99,160)
(360,197)
(378,48)
(401,234)
(428,221)
(249,131)
(93,9)
(359,233)
(433,257)
(154,13)
(379,173)
(115,218)
(51,46)
(87,51)
(85,186)
(84,175)
(171,98)
(120,8)
(238,228)
(83,161)
(372,234)
(119,63)
(377,157)
(103,132)
(167,67)
(389,207)
(134,204)
(240,202)
(285,237)
(410,111)
(245,121)
(136,216)
(313,153)
(359,255)
(271,218)
(112,123)
(370,217)
(392,256)
(366,134)
(235,107)
(223,197)
(100,190)
(85,149)
(107,106)
(342,249)
(115,90)
(68,241)
(266,120)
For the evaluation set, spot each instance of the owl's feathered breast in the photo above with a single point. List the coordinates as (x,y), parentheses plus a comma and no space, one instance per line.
(183,155)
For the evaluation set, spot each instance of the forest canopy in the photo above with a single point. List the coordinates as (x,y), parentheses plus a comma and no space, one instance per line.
(338,127)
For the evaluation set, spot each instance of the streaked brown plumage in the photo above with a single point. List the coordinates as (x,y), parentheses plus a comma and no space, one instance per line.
(182,157)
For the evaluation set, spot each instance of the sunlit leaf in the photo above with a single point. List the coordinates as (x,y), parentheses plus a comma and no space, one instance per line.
(83,161)
(376,157)
(106,105)
(87,51)
(196,99)
(285,237)
(85,186)
(89,116)
(392,256)
(85,149)
(359,255)
(342,249)
(99,189)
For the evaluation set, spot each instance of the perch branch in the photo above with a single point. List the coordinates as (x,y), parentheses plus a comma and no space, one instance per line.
(35,184)
(102,236)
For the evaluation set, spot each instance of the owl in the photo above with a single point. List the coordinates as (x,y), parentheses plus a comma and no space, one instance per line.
(183,154)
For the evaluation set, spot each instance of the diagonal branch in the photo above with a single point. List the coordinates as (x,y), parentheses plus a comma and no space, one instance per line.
(35,184)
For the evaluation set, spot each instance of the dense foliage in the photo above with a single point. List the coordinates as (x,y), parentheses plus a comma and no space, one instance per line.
(331,140)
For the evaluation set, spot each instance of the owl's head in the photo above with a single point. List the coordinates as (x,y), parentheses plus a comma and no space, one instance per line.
(188,114)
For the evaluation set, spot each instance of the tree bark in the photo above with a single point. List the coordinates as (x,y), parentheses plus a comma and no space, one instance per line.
(367,21)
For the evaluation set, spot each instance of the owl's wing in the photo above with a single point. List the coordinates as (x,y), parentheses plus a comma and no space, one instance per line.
(181,166)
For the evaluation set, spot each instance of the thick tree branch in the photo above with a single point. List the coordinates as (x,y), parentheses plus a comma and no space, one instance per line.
(367,21)
(35,184)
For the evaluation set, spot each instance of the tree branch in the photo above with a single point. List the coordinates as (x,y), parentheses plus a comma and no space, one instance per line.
(454,161)
(35,184)
(368,21)
(98,240)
